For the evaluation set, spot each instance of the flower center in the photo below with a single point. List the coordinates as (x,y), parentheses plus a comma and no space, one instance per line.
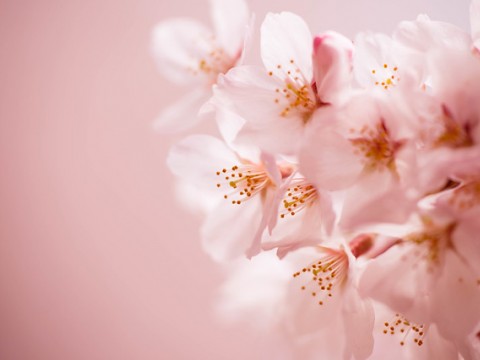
(243,182)
(298,196)
(386,76)
(433,239)
(406,328)
(454,135)
(214,62)
(375,147)
(296,97)
(467,195)
(327,274)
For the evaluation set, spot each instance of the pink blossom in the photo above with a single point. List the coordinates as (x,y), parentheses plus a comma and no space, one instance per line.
(189,54)
(283,95)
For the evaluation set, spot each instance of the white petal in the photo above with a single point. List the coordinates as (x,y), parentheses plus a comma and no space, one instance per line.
(178,45)
(376,198)
(183,114)
(424,34)
(228,231)
(456,299)
(286,37)
(359,319)
(249,92)
(230,19)
(197,158)
(328,160)
(255,291)
(475,21)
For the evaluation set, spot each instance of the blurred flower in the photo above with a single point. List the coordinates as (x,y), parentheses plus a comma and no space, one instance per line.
(190,54)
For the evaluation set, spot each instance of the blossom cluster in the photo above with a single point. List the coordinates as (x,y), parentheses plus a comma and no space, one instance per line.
(347,171)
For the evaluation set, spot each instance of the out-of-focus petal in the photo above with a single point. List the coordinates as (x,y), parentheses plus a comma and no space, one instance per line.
(378,198)
(183,114)
(230,20)
(286,37)
(197,158)
(424,34)
(250,92)
(455,300)
(475,23)
(178,45)
(359,319)
(328,160)
(224,243)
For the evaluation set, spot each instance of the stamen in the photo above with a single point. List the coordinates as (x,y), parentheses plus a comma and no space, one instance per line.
(216,62)
(432,239)
(376,148)
(243,181)
(327,274)
(386,76)
(298,196)
(407,329)
(296,97)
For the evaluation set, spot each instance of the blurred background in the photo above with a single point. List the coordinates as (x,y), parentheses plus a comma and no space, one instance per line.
(97,260)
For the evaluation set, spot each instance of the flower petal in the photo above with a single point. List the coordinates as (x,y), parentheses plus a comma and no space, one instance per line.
(332,65)
(183,114)
(178,45)
(286,37)
(230,20)
(359,320)
(328,160)
(224,243)
(475,23)
(197,158)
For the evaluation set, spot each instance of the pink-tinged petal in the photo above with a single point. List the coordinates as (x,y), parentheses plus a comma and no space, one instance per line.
(376,198)
(270,204)
(401,280)
(229,124)
(178,46)
(288,245)
(328,160)
(230,20)
(359,320)
(434,346)
(271,166)
(455,299)
(424,34)
(475,23)
(465,240)
(248,41)
(372,51)
(183,114)
(286,37)
(274,112)
(255,291)
(224,243)
(282,137)
(250,92)
(332,66)
(197,158)
(327,213)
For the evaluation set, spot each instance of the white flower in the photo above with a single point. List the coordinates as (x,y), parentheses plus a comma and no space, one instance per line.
(192,55)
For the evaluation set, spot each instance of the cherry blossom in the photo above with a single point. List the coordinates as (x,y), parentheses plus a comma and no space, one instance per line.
(190,54)
(348,175)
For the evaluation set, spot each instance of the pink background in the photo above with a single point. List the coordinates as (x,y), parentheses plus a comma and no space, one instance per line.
(96,259)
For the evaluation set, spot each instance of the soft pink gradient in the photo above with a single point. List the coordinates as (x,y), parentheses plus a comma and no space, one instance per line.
(96,259)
